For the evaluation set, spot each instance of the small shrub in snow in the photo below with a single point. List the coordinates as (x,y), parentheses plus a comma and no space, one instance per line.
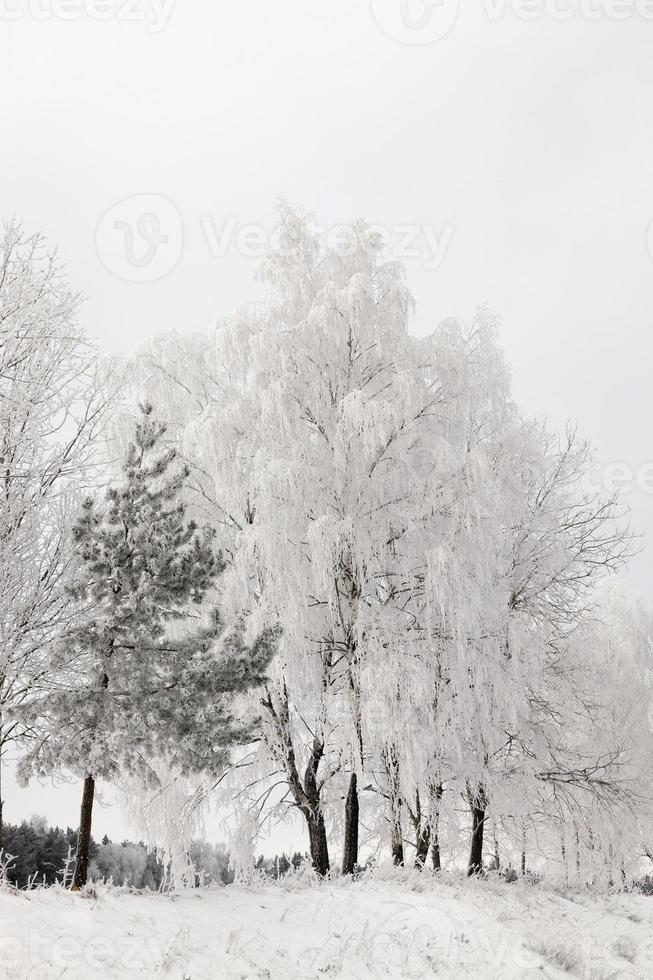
(634,917)
(6,864)
(563,955)
(625,947)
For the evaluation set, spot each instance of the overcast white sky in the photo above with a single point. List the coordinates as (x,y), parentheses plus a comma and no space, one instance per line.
(516,154)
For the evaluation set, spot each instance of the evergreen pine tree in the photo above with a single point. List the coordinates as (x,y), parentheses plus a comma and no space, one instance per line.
(149,670)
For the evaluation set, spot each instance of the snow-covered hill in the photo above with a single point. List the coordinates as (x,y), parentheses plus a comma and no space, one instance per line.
(378,928)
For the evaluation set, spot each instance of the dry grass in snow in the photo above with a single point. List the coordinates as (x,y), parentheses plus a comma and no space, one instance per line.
(391,925)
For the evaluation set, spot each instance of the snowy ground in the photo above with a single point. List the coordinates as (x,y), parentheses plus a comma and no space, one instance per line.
(382,928)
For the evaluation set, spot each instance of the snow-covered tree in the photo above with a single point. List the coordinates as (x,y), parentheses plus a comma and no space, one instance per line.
(427,552)
(149,669)
(322,435)
(51,417)
(520,549)
(556,547)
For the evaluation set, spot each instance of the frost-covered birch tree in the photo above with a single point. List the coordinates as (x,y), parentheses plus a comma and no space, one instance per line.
(522,557)
(317,397)
(427,552)
(51,416)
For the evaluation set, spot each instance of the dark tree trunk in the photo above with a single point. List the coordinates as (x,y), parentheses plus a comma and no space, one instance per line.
(318,844)
(350,847)
(422,845)
(435,854)
(306,794)
(425,824)
(352,808)
(83,852)
(313,812)
(394,795)
(475,865)
(435,841)
(397,843)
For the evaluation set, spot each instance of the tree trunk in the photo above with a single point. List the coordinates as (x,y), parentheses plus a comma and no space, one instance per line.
(426,827)
(83,852)
(312,810)
(318,844)
(350,844)
(422,833)
(435,842)
(475,865)
(422,844)
(84,837)
(435,854)
(397,843)
(314,816)
(391,764)
(350,847)
(307,794)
